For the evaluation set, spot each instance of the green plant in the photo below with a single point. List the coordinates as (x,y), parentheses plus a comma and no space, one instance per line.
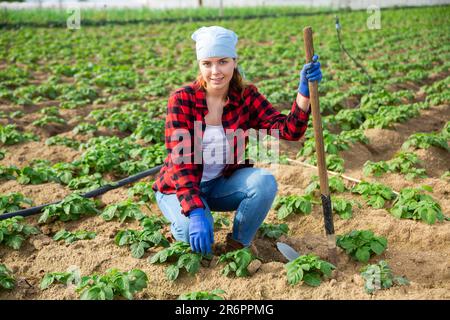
(292,204)
(13,202)
(237,262)
(335,184)
(309,269)
(8,173)
(64,141)
(13,231)
(333,162)
(87,183)
(343,207)
(84,128)
(361,244)
(220,220)
(143,190)
(414,204)
(273,231)
(202,295)
(59,277)
(9,135)
(379,276)
(141,240)
(71,207)
(403,162)
(425,140)
(123,210)
(181,251)
(113,283)
(70,237)
(374,193)
(46,119)
(7,280)
(39,172)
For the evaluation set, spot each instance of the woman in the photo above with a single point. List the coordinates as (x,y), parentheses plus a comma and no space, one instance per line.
(193,181)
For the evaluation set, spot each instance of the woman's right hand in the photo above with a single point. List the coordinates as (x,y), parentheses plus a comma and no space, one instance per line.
(201,232)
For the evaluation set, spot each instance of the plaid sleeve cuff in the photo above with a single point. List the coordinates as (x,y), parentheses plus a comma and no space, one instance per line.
(299,114)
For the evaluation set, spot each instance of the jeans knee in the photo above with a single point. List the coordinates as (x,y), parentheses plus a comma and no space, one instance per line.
(264,182)
(180,231)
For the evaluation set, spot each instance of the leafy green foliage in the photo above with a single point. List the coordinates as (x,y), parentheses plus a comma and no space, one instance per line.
(58,277)
(273,231)
(376,194)
(220,220)
(7,280)
(150,130)
(113,283)
(379,276)
(343,207)
(333,162)
(237,262)
(123,210)
(46,120)
(87,183)
(415,204)
(202,295)
(9,135)
(361,244)
(13,202)
(63,141)
(180,251)
(141,240)
(292,204)
(425,140)
(8,173)
(84,128)
(13,231)
(335,184)
(70,237)
(309,269)
(403,162)
(71,207)
(39,172)
(143,191)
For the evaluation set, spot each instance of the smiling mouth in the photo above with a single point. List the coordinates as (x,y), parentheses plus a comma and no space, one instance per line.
(219,79)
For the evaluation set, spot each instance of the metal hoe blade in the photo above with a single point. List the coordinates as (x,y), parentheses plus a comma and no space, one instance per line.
(287,251)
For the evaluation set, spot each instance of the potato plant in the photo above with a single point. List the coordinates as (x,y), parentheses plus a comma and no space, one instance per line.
(287,205)
(7,280)
(237,262)
(415,204)
(70,237)
(273,231)
(13,231)
(184,259)
(203,295)
(13,201)
(71,207)
(361,244)
(309,269)
(379,276)
(376,194)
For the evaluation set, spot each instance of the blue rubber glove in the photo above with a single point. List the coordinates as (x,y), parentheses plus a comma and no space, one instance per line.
(201,233)
(310,72)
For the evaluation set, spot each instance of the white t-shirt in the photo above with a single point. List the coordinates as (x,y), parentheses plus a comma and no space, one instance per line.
(216,152)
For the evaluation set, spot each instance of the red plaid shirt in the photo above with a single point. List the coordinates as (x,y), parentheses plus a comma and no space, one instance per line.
(188,104)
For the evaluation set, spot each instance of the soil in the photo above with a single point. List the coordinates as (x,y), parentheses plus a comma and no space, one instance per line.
(416,250)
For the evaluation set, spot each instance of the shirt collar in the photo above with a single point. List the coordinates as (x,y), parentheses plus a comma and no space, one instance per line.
(200,96)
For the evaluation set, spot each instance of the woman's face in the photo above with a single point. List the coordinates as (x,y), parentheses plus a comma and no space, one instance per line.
(217,72)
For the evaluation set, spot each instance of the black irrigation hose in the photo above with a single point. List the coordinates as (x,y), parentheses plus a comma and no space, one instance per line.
(338,32)
(94,193)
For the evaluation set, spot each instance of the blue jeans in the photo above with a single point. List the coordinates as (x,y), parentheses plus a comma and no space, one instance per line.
(249,191)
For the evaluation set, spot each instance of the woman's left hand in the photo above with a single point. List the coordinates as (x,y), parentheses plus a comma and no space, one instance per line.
(310,72)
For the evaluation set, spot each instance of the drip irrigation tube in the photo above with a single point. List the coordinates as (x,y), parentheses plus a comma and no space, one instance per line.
(94,193)
(338,33)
